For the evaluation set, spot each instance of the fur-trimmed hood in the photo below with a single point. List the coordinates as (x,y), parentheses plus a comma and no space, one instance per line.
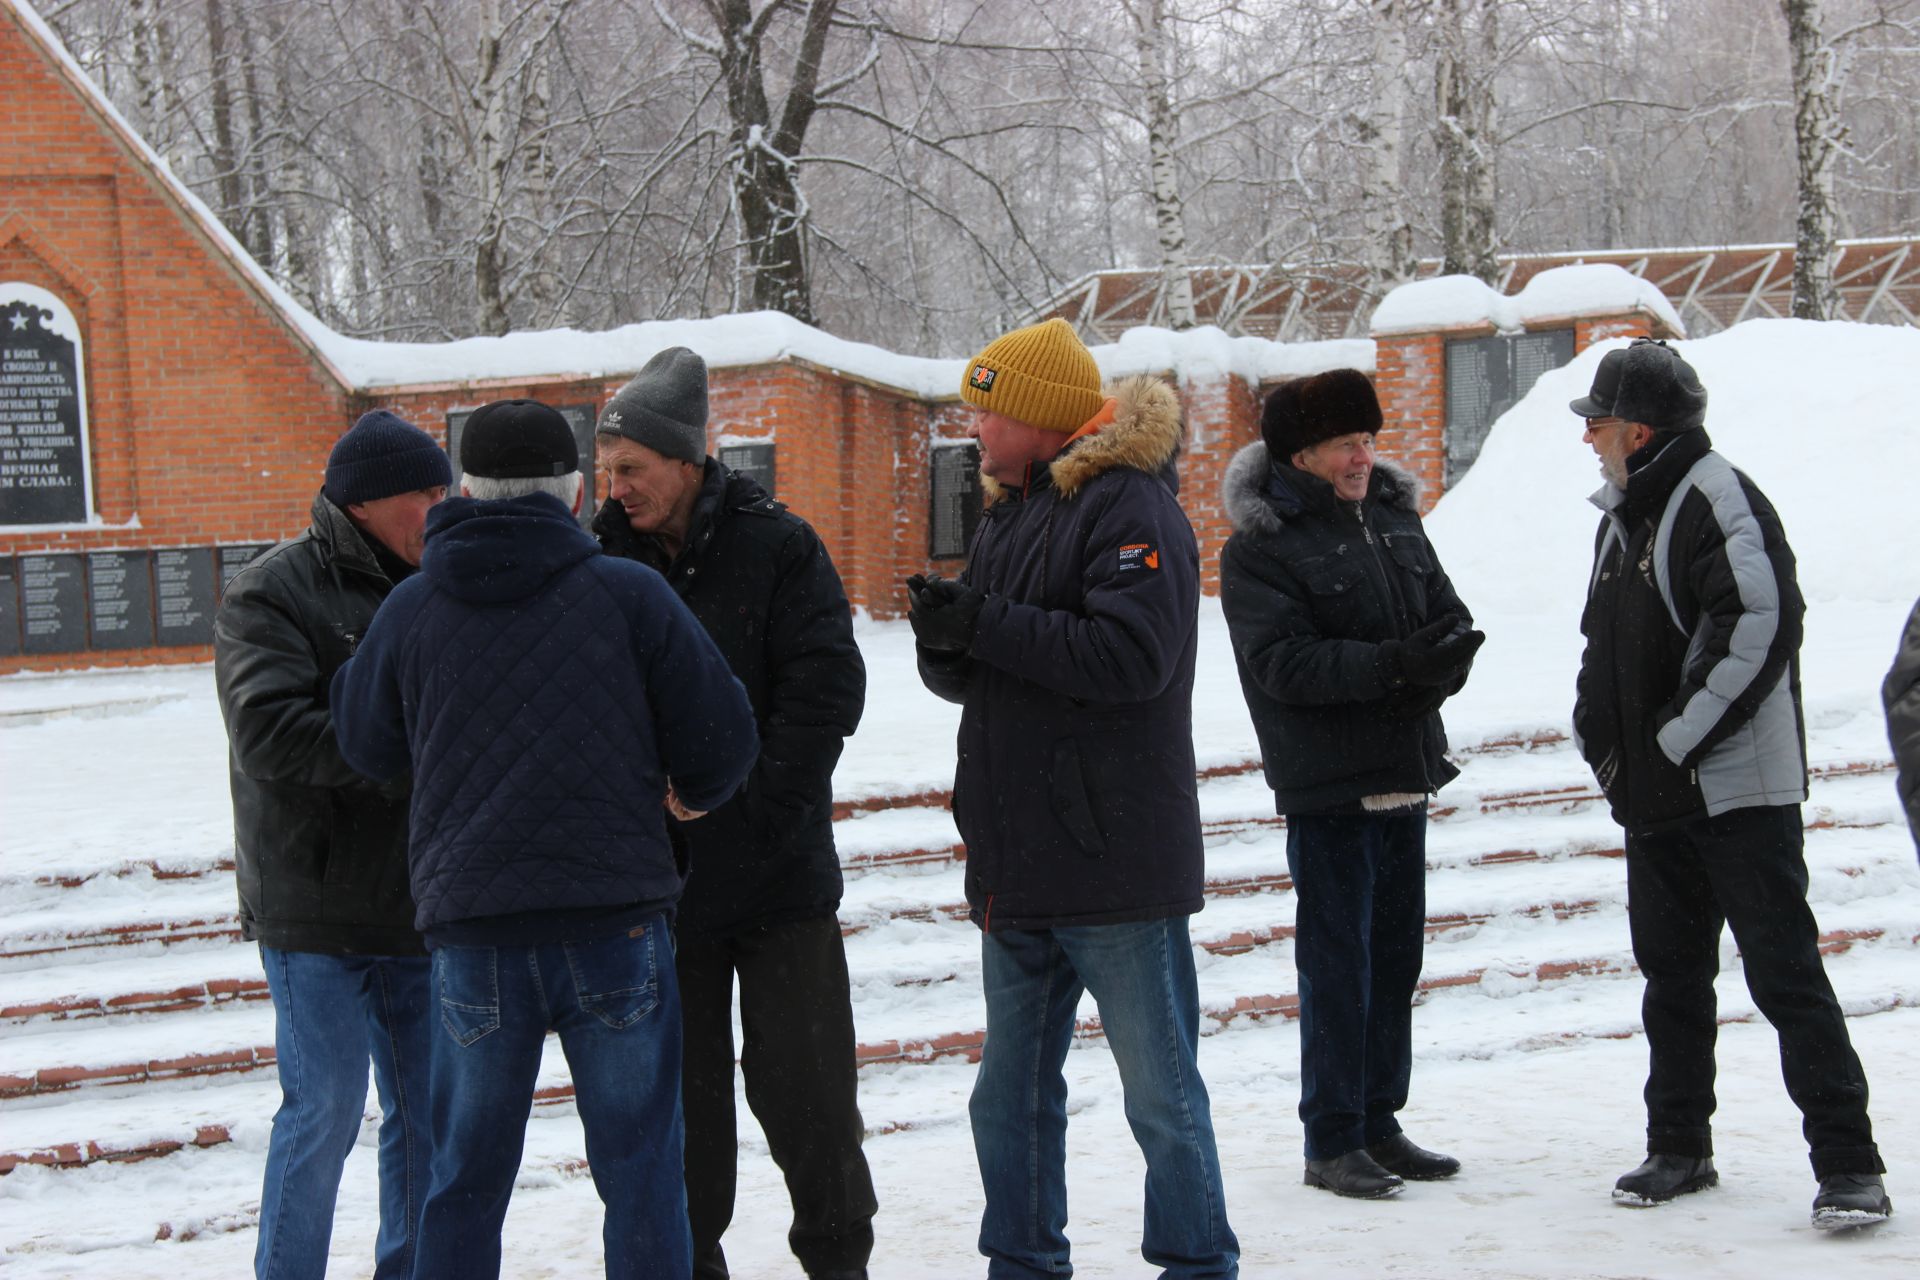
(1143,433)
(1253,508)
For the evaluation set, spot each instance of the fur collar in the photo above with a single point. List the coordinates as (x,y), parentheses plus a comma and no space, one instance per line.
(1144,436)
(1252,509)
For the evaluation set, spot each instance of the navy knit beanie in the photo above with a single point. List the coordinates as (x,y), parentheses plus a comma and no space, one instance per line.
(383,455)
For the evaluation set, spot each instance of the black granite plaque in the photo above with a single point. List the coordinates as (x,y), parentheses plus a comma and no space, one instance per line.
(53,604)
(9,607)
(579,416)
(1488,376)
(183,596)
(120,599)
(954,473)
(755,460)
(235,557)
(43,454)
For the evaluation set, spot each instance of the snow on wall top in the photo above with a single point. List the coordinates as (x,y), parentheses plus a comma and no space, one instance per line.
(1580,289)
(766,337)
(758,338)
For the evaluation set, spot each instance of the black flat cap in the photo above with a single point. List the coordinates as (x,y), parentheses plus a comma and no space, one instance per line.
(513,439)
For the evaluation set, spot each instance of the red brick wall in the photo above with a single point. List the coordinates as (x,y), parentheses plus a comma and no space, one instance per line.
(1410,377)
(1222,418)
(1591,329)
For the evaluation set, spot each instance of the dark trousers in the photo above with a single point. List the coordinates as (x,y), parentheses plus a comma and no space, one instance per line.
(1745,868)
(799,1068)
(1360,905)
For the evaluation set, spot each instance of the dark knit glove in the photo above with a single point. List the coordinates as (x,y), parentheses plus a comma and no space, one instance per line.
(944,613)
(1432,655)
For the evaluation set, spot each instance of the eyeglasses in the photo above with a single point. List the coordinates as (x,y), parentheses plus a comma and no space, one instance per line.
(1599,424)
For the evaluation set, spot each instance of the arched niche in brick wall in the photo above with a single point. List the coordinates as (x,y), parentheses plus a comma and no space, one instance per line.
(46,466)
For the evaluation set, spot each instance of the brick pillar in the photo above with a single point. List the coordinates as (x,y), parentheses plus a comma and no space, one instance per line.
(1222,417)
(1410,379)
(1588,330)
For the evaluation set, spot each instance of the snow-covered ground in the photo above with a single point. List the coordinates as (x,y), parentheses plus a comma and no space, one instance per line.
(1533,1078)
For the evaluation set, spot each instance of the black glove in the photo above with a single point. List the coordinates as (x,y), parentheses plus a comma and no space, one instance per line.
(1432,655)
(1416,702)
(944,613)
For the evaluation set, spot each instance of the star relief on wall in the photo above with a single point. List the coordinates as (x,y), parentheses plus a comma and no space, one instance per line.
(23,316)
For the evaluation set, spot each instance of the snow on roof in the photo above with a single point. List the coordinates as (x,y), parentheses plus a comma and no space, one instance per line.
(1450,302)
(724,341)
(765,337)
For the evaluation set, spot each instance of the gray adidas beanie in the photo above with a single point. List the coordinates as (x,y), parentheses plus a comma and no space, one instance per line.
(664,407)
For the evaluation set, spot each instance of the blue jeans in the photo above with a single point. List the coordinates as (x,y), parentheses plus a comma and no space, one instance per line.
(616,1005)
(1141,975)
(330,1014)
(1360,906)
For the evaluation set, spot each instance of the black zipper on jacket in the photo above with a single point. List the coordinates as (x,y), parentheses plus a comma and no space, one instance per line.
(1396,604)
(1397,610)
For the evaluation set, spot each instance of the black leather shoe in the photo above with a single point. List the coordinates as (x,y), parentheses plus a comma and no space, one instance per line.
(1662,1178)
(1850,1200)
(1399,1155)
(1354,1174)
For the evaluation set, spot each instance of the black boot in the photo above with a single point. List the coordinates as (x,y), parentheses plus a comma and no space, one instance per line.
(1398,1154)
(1354,1174)
(1662,1178)
(1850,1200)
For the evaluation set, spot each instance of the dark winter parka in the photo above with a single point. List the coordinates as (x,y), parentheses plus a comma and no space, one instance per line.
(760,581)
(1901,694)
(1689,691)
(544,694)
(1311,587)
(320,851)
(1074,789)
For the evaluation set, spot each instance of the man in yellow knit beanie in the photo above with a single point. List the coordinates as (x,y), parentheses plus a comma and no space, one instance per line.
(1069,641)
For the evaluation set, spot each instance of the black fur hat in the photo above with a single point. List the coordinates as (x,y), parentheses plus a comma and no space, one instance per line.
(1302,413)
(1648,382)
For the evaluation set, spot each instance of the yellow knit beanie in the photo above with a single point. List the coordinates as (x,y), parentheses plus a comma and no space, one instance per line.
(1042,375)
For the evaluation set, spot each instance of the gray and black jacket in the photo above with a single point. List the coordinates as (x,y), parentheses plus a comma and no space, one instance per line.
(1689,690)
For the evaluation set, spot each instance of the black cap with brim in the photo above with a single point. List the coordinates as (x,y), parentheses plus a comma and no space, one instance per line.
(518,439)
(1598,402)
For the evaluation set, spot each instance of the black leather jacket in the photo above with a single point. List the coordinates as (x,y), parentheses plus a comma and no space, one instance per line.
(321,852)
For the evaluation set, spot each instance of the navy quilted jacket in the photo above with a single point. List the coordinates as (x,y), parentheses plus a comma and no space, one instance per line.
(543,693)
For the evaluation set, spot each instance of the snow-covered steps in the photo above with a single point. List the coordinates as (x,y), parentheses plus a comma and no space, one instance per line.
(144,979)
(1594,1001)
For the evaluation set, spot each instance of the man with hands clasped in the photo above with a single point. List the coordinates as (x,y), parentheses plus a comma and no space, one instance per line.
(1348,637)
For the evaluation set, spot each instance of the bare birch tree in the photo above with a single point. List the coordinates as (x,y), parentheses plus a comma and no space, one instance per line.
(1152,39)
(1389,232)
(1466,34)
(1818,138)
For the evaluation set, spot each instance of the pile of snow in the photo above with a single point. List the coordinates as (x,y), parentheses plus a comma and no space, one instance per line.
(1582,289)
(1818,414)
